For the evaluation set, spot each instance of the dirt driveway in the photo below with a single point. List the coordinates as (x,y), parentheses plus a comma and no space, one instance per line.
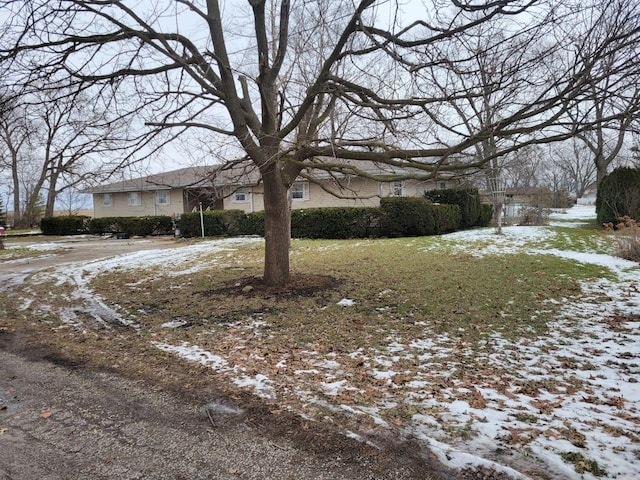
(68,422)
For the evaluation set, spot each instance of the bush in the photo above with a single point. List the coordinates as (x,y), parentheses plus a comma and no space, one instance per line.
(68,225)
(486,215)
(408,216)
(151,225)
(216,223)
(133,226)
(252,224)
(468,199)
(102,225)
(618,195)
(626,238)
(534,216)
(335,222)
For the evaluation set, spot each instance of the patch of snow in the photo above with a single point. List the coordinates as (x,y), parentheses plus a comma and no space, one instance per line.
(261,385)
(346,302)
(333,388)
(461,460)
(195,354)
(174,324)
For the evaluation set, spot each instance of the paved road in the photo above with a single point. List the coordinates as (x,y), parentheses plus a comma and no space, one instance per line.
(72,423)
(57,423)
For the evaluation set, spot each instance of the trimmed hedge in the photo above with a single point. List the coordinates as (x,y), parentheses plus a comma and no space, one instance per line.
(335,222)
(619,195)
(252,224)
(486,215)
(67,225)
(216,223)
(411,217)
(133,226)
(468,199)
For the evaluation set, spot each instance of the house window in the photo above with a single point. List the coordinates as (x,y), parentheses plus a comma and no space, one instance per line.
(300,191)
(107,200)
(134,199)
(241,196)
(397,189)
(163,197)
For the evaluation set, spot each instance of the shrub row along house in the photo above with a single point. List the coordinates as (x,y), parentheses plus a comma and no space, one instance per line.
(237,187)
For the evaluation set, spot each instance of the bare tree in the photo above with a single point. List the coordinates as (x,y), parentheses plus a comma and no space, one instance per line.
(574,159)
(308,85)
(611,104)
(15,134)
(55,137)
(3,222)
(78,138)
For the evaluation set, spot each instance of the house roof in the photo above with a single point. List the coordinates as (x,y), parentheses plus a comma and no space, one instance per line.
(243,173)
(188,177)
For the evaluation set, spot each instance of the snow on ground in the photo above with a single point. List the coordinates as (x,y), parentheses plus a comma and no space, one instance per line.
(557,402)
(172,262)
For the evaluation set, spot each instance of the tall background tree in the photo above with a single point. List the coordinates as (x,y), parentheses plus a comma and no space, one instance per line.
(611,103)
(54,138)
(319,84)
(3,214)
(15,132)
(576,162)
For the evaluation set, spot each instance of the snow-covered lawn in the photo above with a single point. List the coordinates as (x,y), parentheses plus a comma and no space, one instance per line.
(563,405)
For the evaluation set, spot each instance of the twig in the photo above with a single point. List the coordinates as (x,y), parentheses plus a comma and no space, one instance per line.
(210,418)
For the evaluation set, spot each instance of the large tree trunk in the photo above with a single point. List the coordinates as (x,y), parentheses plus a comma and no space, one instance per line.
(51,195)
(601,168)
(277,231)
(17,214)
(497,214)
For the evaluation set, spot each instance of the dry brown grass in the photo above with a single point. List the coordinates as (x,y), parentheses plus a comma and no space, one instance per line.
(626,238)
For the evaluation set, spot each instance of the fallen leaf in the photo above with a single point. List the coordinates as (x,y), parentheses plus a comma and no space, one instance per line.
(3,430)
(477,400)
(552,433)
(45,414)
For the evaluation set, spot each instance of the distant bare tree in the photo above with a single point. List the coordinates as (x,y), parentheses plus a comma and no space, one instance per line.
(55,137)
(79,139)
(575,160)
(308,85)
(16,131)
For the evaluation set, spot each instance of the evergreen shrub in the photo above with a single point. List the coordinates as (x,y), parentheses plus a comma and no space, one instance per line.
(335,222)
(66,225)
(216,223)
(486,215)
(619,196)
(252,224)
(412,216)
(467,198)
(133,226)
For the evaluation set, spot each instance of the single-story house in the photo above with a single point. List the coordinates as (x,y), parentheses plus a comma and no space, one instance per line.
(239,187)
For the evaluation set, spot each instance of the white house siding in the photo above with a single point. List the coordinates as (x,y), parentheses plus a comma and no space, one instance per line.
(148,206)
